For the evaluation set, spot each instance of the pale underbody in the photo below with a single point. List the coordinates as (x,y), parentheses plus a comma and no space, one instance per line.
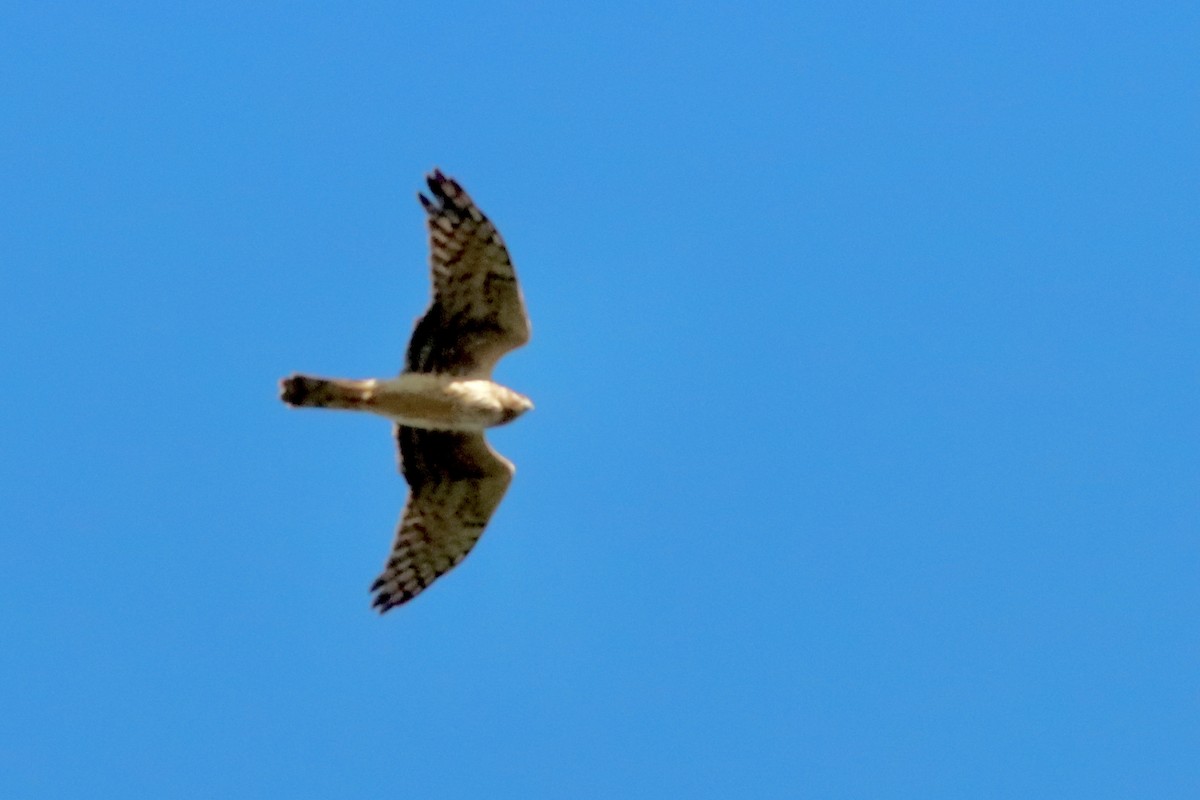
(420,400)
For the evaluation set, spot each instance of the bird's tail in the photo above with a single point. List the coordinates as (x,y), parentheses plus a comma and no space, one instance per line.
(307,391)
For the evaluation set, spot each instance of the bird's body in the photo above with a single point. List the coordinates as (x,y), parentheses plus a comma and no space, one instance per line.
(445,398)
(414,399)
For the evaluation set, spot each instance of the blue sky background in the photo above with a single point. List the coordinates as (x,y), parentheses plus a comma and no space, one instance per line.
(866,452)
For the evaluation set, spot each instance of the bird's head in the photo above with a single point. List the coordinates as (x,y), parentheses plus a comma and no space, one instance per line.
(514,406)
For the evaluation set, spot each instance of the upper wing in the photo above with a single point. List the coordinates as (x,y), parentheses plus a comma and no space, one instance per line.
(456,483)
(477,313)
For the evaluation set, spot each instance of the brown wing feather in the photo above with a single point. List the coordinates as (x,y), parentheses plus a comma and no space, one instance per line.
(456,481)
(477,314)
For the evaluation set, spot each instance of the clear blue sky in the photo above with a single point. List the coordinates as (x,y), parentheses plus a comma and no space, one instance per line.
(866,455)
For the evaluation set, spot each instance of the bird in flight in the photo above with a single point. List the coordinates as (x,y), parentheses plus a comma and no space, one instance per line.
(444,398)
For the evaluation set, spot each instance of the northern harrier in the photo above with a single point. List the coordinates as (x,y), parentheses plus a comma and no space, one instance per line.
(445,397)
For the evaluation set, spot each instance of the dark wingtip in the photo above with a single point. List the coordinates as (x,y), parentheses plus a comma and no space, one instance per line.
(448,198)
(437,182)
(445,188)
(382,600)
(383,603)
